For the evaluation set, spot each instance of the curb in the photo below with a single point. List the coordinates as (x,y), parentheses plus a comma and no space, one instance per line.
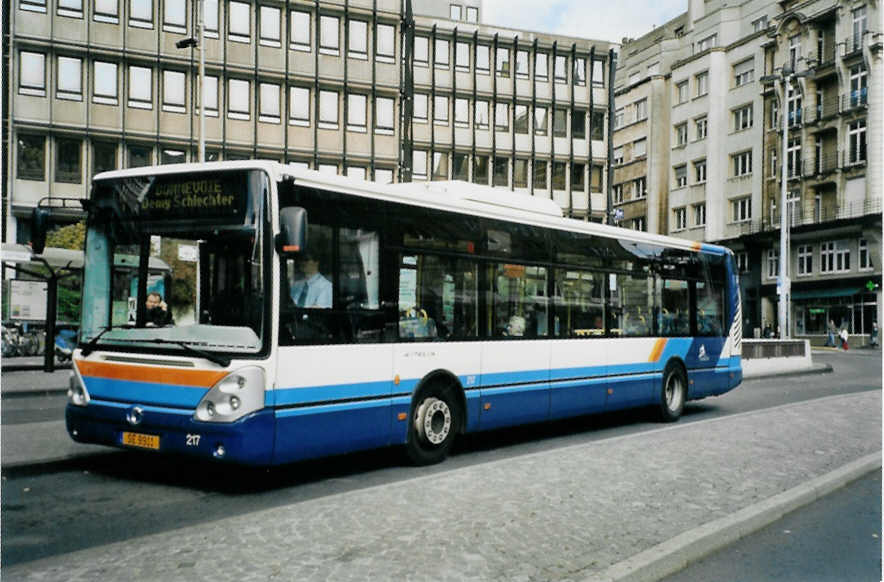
(823,369)
(33,393)
(675,554)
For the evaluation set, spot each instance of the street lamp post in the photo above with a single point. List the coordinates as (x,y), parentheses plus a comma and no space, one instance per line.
(784,284)
(195,42)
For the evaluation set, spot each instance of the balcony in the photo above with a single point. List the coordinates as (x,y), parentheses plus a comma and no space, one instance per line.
(808,214)
(858,99)
(825,163)
(827,109)
(852,46)
(855,155)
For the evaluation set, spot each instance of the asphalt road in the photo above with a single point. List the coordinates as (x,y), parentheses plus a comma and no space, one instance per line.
(834,539)
(51,510)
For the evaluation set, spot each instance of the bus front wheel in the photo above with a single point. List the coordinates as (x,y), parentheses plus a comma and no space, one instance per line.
(674,393)
(435,420)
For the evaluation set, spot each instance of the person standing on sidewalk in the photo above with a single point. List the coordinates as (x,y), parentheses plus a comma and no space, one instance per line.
(873,337)
(830,336)
(844,336)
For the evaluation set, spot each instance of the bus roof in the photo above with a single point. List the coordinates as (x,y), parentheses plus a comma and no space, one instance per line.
(68,259)
(452,195)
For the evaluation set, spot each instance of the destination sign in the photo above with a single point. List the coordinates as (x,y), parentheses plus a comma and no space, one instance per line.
(197,196)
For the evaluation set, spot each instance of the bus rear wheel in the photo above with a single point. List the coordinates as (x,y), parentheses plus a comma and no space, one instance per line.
(674,393)
(435,420)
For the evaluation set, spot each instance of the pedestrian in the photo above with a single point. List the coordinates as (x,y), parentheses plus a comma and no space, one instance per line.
(873,337)
(843,335)
(830,334)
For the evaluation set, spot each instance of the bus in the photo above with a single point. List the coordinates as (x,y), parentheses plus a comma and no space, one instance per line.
(325,315)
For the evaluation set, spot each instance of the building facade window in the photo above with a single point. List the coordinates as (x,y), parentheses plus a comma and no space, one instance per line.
(520,125)
(238,99)
(579,74)
(502,62)
(462,111)
(300,30)
(541,66)
(386,43)
(139,156)
(522,68)
(560,68)
(502,116)
(210,18)
(541,123)
(773,263)
(742,261)
(441,57)
(419,164)
(641,110)
(421,107)
(742,163)
(440,109)
(239,24)
(578,177)
(501,171)
(700,171)
(472,14)
(681,176)
(210,95)
(481,114)
(357,39)
(618,156)
(834,256)
(104,88)
(856,141)
(680,218)
(618,193)
(858,86)
(559,175)
(681,134)
(743,118)
(640,187)
(865,256)
(742,209)
(173,91)
(268,103)
(560,123)
(299,106)
(639,148)
(384,117)
(31,157)
(681,92)
(104,157)
(460,167)
(702,82)
(483,58)
(141,13)
(480,169)
(68,161)
(744,73)
(540,178)
(357,111)
(793,157)
(805,260)
(440,166)
(702,126)
(32,74)
(700,214)
(455,12)
(69,84)
(462,56)
(619,117)
(140,87)
(328,109)
(107,11)
(520,173)
(329,35)
(175,16)
(709,42)
(270,32)
(578,124)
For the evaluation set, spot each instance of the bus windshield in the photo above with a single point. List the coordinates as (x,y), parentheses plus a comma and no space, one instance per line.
(208,228)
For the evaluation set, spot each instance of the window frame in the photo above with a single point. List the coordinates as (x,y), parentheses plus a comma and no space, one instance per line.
(28,89)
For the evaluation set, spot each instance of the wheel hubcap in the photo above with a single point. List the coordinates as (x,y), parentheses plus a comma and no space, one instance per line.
(673,393)
(433,420)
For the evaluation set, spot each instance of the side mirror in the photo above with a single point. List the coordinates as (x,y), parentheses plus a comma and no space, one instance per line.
(39,227)
(292,238)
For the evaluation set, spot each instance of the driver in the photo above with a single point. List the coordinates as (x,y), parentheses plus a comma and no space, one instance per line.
(314,290)
(157,312)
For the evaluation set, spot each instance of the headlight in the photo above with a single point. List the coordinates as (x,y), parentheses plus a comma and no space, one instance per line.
(77,394)
(233,397)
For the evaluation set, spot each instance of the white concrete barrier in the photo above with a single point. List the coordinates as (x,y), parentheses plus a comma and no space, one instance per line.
(765,357)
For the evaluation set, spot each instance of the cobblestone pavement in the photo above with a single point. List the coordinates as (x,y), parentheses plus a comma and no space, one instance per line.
(565,514)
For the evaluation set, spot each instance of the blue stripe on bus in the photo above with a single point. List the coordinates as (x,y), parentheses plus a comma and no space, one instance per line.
(514,377)
(309,394)
(144,392)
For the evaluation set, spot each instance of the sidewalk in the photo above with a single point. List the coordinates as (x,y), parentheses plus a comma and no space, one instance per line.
(634,507)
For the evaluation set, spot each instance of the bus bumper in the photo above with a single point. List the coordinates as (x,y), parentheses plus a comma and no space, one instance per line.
(248,441)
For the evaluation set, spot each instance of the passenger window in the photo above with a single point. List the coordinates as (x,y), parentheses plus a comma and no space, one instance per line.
(710,312)
(519,302)
(632,305)
(674,319)
(437,297)
(579,304)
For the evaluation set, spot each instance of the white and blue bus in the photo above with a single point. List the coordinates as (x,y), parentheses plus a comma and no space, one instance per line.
(314,315)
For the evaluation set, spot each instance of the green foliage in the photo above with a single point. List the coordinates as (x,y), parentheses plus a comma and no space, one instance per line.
(71,237)
(183,291)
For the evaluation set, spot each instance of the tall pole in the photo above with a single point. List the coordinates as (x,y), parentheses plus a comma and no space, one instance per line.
(202,67)
(783,282)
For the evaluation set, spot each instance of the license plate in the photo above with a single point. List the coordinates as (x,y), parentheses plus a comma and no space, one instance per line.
(142,441)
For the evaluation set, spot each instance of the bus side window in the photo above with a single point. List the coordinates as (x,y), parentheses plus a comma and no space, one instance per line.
(579,304)
(520,305)
(710,309)
(359,283)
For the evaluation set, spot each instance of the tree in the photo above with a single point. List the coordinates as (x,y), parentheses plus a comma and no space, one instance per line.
(72,236)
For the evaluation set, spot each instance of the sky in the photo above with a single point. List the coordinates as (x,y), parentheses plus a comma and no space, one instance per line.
(609,20)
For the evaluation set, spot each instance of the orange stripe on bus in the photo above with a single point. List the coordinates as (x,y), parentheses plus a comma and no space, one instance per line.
(658,350)
(153,374)
(696,246)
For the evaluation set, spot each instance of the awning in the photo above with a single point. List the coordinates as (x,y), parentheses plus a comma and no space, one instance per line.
(826,293)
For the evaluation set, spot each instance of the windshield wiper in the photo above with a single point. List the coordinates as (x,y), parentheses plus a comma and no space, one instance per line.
(90,347)
(222,361)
